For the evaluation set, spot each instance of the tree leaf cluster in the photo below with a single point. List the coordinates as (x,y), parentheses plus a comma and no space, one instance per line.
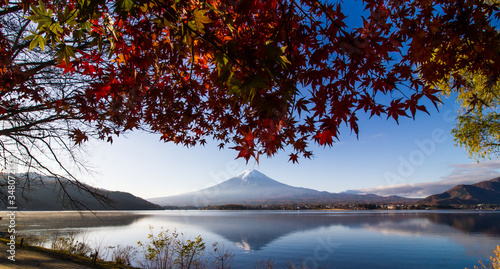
(263,76)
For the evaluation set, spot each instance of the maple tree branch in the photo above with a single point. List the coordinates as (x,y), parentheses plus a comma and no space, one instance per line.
(192,63)
(24,149)
(54,155)
(28,126)
(16,41)
(29,154)
(12,112)
(10,10)
(30,63)
(40,67)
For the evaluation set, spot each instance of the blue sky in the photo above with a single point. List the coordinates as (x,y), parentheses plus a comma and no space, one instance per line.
(415,158)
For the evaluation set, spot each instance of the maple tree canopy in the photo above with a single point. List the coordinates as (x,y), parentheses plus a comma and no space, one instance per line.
(260,75)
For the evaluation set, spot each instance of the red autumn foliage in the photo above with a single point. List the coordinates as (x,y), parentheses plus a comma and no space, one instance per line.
(262,74)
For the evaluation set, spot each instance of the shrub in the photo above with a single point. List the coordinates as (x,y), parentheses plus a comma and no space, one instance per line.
(123,255)
(170,250)
(69,244)
(223,257)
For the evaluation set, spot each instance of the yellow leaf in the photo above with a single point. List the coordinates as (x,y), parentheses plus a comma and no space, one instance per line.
(120,59)
(201,17)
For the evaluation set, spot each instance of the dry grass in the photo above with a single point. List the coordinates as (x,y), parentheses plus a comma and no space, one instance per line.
(73,257)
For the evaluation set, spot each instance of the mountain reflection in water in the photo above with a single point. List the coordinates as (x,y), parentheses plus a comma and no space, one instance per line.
(253,231)
(353,239)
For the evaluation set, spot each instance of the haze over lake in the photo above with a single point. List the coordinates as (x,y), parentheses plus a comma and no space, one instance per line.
(326,239)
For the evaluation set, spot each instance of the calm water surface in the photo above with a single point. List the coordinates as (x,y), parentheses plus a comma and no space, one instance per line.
(316,239)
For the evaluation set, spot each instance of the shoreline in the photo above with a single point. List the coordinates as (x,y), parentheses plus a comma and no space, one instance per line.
(261,209)
(29,256)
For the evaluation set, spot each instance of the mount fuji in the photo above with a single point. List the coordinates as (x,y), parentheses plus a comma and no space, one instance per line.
(252,187)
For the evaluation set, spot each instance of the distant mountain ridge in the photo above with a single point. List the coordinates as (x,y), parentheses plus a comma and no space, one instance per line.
(252,187)
(484,192)
(45,193)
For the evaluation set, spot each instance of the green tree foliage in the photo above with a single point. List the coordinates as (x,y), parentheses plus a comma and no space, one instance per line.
(478,124)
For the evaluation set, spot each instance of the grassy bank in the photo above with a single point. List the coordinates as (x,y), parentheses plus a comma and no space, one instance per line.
(76,258)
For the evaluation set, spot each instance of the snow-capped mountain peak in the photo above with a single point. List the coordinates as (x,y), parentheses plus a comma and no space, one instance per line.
(249,175)
(253,177)
(244,175)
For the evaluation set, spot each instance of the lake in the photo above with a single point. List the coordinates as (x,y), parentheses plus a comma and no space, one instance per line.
(316,239)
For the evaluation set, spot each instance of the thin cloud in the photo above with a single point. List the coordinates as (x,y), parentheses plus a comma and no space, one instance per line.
(377,136)
(462,174)
(373,137)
